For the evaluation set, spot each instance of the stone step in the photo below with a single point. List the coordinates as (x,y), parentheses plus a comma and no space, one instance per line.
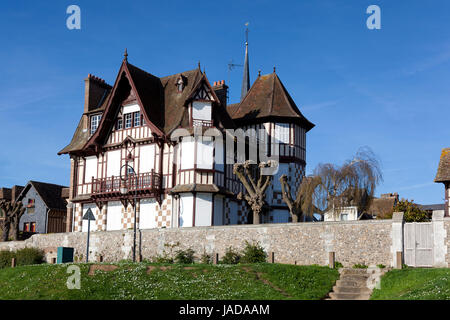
(349,296)
(351,283)
(354,277)
(354,271)
(351,289)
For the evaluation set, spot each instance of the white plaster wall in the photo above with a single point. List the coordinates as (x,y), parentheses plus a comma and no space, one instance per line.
(147,214)
(114,216)
(203,209)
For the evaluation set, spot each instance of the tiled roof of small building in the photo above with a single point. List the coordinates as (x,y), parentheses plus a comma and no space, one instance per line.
(443,172)
(50,193)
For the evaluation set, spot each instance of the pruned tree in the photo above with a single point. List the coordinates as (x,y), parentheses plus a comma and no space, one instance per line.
(12,212)
(255,183)
(332,188)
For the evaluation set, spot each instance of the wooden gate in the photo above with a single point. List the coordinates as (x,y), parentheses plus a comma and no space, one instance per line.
(418,248)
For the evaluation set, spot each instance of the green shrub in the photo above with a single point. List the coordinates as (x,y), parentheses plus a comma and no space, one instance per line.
(5,259)
(185,256)
(29,256)
(206,258)
(231,256)
(381,266)
(162,259)
(253,253)
(338,265)
(360,266)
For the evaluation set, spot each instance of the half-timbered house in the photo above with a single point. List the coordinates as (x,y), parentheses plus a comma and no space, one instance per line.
(126,137)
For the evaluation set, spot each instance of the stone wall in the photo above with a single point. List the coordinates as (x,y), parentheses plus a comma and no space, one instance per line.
(447,239)
(365,242)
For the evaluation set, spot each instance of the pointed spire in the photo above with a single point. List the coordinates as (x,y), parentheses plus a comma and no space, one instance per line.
(246,78)
(125,55)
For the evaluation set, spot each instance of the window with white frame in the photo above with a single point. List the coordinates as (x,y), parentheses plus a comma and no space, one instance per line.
(128,120)
(282,132)
(95,120)
(119,123)
(137,119)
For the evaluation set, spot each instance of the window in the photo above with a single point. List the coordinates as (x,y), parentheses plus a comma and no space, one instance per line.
(180,84)
(33,227)
(282,133)
(128,118)
(30,206)
(26,227)
(119,124)
(344,217)
(137,119)
(95,120)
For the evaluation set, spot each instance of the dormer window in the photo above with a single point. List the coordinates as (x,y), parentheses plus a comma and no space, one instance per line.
(180,84)
(128,120)
(119,124)
(95,120)
(137,119)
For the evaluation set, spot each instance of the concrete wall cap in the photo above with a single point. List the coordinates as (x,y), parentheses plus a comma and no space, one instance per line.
(438,216)
(397,216)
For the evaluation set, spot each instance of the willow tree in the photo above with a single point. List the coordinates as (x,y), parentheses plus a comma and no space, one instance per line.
(255,184)
(332,188)
(12,212)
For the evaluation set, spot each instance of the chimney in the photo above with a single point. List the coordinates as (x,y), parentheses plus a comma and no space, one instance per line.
(95,91)
(15,192)
(221,91)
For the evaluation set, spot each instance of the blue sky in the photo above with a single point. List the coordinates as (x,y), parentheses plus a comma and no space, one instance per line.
(387,89)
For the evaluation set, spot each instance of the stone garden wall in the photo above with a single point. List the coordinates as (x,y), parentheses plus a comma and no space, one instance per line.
(367,242)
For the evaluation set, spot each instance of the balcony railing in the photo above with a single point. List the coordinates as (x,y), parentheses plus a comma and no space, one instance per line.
(202,123)
(141,183)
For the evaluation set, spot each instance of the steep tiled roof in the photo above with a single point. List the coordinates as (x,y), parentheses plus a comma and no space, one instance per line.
(443,172)
(267,98)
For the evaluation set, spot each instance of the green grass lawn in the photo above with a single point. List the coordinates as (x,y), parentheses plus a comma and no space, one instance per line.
(133,281)
(414,284)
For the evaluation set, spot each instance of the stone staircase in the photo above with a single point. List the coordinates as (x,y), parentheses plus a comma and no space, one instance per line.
(352,285)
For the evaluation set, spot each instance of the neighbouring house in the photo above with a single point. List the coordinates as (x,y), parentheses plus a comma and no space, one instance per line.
(350,213)
(383,206)
(131,124)
(443,176)
(432,209)
(45,208)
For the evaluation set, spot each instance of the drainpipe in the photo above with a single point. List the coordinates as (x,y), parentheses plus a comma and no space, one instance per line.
(46,220)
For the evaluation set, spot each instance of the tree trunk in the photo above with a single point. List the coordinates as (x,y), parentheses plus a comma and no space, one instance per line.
(5,234)
(256,216)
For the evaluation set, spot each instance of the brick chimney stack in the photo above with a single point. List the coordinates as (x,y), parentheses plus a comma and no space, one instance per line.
(221,90)
(94,93)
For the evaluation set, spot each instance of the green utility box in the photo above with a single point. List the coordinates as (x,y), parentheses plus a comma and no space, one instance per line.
(65,255)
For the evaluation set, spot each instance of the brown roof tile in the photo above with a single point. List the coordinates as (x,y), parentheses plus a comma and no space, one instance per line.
(267,98)
(443,172)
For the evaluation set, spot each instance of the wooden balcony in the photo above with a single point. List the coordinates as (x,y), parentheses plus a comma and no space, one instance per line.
(144,184)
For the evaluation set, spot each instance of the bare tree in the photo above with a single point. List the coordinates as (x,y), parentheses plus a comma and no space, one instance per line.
(12,211)
(303,204)
(255,183)
(332,188)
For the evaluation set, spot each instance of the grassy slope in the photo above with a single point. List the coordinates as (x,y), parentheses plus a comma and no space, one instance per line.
(131,281)
(414,284)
